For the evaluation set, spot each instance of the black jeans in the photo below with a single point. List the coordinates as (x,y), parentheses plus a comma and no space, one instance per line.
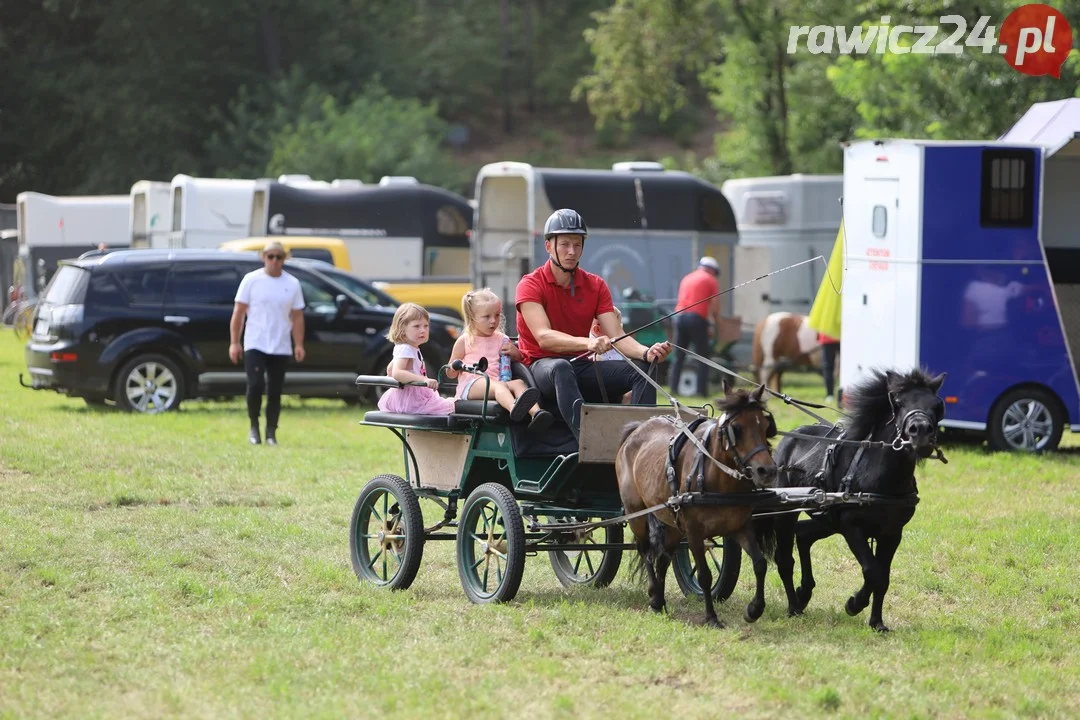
(828,365)
(692,333)
(570,384)
(265,373)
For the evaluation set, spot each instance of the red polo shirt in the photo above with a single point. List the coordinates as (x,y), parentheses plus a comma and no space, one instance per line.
(694,288)
(570,314)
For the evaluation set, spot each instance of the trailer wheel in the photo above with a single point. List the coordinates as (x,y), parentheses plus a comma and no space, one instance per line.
(725,554)
(490,545)
(597,568)
(1029,419)
(386,533)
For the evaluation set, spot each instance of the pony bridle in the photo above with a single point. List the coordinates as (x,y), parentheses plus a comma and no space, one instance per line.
(903,427)
(723,425)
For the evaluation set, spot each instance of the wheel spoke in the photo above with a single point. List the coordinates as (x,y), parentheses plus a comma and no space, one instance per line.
(588,561)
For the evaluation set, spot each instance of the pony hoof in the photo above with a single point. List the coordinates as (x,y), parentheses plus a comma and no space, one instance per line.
(803,594)
(714,623)
(852,607)
(795,611)
(658,609)
(753,612)
(879,627)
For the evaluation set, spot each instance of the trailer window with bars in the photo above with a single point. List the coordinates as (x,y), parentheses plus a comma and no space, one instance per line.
(1008,188)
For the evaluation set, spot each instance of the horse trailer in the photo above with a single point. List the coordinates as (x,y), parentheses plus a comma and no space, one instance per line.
(150,217)
(396,230)
(54,228)
(782,220)
(209,211)
(647,227)
(963,257)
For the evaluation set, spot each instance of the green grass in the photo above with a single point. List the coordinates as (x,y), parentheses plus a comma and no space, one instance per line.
(160,566)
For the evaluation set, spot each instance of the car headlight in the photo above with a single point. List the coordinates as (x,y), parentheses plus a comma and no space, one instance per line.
(453,331)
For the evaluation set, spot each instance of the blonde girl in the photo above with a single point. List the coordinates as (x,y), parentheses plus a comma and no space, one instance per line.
(484,337)
(408,331)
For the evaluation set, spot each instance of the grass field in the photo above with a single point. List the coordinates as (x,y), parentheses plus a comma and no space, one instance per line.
(160,566)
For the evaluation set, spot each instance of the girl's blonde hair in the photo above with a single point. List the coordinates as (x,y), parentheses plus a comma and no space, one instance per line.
(405,314)
(473,300)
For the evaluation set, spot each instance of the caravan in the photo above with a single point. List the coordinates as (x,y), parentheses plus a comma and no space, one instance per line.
(647,227)
(782,221)
(209,211)
(963,257)
(55,228)
(150,217)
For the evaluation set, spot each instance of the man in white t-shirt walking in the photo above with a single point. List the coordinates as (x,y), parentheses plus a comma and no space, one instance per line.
(274,305)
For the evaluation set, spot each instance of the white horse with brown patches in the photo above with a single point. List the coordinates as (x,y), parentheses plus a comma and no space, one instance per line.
(783,341)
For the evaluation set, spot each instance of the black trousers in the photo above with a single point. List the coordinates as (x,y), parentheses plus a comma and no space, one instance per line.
(265,373)
(570,384)
(692,333)
(828,365)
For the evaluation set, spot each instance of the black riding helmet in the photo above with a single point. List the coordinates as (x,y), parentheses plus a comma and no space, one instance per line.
(565,222)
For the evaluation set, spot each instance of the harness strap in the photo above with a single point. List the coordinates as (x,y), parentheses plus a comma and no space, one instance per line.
(678,442)
(800,404)
(678,421)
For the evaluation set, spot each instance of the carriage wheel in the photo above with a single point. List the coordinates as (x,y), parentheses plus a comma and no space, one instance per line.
(386,533)
(490,545)
(725,554)
(589,567)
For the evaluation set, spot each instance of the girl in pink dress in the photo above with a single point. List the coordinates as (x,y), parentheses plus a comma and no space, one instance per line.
(483,337)
(408,331)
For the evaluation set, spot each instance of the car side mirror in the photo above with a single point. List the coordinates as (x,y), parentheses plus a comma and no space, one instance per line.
(341,302)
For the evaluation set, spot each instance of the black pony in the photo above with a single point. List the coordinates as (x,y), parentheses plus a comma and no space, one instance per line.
(899,415)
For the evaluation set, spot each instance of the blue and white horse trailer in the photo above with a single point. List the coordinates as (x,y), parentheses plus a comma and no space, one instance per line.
(960,257)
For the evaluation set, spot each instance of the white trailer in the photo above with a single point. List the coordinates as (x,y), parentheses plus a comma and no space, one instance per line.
(209,211)
(782,220)
(150,217)
(53,228)
(647,227)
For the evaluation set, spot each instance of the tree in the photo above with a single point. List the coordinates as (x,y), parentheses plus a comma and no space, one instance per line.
(373,135)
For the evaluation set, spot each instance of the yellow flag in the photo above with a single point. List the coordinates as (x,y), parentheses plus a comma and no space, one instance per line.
(825,313)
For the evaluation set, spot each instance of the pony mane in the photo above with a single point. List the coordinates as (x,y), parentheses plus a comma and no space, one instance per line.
(868,402)
(736,401)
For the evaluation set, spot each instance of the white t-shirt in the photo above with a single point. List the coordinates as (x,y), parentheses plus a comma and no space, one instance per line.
(269,300)
(990,301)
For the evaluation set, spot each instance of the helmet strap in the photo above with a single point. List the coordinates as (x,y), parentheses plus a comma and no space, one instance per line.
(555,261)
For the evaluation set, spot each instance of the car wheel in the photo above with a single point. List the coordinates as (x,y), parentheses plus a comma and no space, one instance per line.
(149,384)
(1029,419)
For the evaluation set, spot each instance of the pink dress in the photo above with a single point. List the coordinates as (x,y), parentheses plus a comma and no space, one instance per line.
(414,399)
(476,348)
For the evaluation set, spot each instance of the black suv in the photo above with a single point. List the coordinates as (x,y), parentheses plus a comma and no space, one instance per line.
(150,328)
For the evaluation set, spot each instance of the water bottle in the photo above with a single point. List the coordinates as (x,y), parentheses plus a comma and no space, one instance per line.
(504,363)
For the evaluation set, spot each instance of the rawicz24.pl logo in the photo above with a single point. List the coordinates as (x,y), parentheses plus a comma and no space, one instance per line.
(1035,39)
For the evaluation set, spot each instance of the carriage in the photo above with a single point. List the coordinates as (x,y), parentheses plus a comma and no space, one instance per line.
(519,494)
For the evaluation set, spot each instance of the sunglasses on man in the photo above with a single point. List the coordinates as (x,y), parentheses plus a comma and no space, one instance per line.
(274,256)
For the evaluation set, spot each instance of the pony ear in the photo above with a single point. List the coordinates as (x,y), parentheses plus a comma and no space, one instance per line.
(756,395)
(936,382)
(727,384)
(892,380)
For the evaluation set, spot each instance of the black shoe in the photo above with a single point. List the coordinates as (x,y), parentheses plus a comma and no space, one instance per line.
(270,437)
(541,421)
(253,436)
(524,404)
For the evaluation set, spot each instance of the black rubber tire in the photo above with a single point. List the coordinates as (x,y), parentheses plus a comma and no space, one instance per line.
(726,575)
(120,384)
(407,517)
(600,574)
(503,521)
(1046,406)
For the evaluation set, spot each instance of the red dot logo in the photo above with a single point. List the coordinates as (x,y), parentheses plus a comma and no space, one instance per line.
(1035,40)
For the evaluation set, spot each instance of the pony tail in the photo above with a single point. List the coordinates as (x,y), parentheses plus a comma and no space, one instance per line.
(765,531)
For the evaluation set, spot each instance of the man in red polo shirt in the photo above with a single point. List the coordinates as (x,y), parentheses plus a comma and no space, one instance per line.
(692,326)
(556,304)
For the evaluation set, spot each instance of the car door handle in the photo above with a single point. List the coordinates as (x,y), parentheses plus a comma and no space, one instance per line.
(177,319)
(370,330)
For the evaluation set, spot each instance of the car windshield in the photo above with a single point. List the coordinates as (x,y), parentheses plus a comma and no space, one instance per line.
(361,289)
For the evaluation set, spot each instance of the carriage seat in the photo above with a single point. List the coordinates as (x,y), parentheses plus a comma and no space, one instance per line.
(465,412)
